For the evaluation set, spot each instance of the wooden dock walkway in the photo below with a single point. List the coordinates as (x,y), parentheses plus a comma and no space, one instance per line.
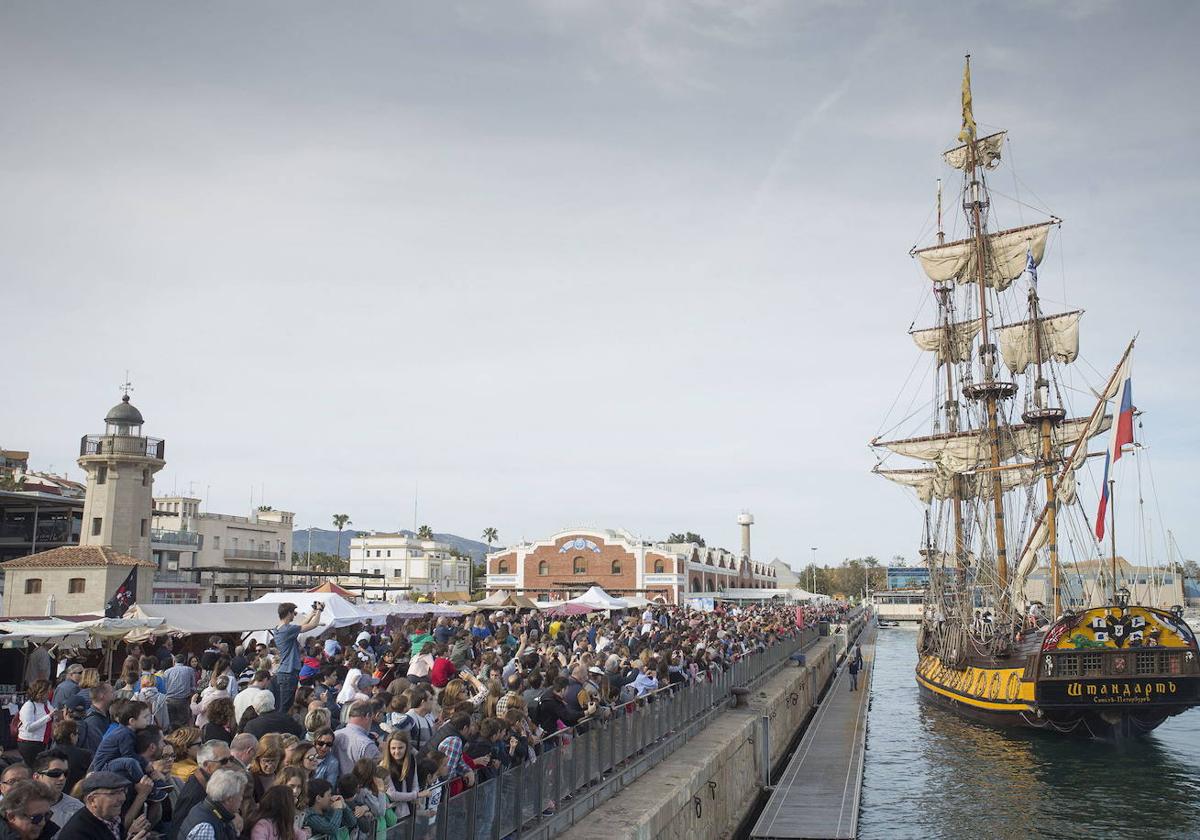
(817,797)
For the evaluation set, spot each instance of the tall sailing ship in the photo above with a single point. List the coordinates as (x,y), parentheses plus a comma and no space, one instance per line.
(1002,457)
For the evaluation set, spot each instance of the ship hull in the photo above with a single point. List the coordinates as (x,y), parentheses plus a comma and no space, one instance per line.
(1078,723)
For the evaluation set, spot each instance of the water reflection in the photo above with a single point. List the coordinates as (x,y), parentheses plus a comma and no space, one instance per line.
(929,773)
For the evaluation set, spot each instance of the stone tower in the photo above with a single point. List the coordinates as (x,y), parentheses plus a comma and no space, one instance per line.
(120,466)
(745,520)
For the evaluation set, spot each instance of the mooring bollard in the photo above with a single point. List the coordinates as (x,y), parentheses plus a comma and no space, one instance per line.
(740,693)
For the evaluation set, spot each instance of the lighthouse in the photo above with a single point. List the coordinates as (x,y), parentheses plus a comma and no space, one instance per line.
(120,466)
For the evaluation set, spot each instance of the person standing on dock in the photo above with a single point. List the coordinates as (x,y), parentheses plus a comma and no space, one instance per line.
(856,663)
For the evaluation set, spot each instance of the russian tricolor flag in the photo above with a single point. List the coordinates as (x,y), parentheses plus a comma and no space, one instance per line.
(1122,434)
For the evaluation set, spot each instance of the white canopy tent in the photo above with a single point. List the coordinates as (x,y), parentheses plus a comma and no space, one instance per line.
(598,599)
(186,619)
(75,633)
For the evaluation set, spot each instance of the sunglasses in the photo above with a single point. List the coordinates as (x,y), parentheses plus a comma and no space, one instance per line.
(225,760)
(325,744)
(39,818)
(52,774)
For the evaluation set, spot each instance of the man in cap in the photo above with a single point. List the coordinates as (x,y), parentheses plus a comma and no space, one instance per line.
(25,812)
(100,816)
(69,687)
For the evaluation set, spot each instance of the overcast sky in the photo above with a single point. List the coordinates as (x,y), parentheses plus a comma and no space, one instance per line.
(630,264)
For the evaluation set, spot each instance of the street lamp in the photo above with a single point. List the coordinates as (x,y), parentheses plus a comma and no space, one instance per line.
(814,569)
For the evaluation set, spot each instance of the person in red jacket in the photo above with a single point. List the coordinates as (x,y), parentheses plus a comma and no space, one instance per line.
(442,670)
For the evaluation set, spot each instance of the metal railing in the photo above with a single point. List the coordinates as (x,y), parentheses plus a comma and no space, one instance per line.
(146,447)
(161,535)
(580,767)
(252,554)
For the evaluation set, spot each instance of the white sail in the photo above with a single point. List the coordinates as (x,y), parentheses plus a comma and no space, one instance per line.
(1059,340)
(935,483)
(1005,259)
(962,452)
(987,152)
(955,347)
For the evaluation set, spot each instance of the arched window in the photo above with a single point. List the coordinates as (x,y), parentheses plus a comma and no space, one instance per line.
(696,585)
(75,586)
(580,567)
(658,567)
(502,567)
(711,586)
(616,567)
(33,586)
(543,568)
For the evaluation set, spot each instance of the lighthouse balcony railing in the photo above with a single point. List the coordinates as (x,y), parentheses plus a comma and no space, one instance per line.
(143,447)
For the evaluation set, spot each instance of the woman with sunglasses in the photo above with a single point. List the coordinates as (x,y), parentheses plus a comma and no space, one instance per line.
(302,755)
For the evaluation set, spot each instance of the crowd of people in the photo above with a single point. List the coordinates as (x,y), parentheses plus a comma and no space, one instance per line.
(344,734)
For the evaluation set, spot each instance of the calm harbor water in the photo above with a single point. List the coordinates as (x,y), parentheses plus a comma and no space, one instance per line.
(930,773)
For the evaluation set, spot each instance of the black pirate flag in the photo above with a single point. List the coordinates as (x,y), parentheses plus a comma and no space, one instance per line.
(123,598)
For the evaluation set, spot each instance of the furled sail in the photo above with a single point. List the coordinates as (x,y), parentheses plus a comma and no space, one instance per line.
(953,344)
(1059,340)
(1005,257)
(987,152)
(935,483)
(961,452)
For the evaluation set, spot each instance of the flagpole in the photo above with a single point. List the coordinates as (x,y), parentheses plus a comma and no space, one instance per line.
(1112,532)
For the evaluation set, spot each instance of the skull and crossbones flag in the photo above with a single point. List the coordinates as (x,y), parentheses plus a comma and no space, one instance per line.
(123,598)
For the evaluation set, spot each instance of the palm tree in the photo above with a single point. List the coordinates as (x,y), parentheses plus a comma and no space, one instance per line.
(425,532)
(340,521)
(490,535)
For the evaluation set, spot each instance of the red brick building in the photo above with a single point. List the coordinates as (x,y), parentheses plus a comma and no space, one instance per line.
(569,562)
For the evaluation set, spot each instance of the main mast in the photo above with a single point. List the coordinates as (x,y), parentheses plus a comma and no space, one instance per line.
(989,390)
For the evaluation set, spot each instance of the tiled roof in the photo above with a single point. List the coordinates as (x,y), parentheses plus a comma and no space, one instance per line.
(75,555)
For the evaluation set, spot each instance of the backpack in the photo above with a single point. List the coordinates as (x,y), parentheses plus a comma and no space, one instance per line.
(534,707)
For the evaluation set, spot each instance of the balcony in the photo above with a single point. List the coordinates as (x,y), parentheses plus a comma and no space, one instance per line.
(253,554)
(187,539)
(144,447)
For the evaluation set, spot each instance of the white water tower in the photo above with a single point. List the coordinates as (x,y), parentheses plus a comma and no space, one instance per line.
(746,519)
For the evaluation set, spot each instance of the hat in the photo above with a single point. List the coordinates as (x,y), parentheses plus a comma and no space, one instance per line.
(104,781)
(595,670)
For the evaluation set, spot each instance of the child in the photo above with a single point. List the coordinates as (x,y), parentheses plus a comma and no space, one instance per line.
(121,740)
(432,770)
(327,815)
(350,790)
(373,780)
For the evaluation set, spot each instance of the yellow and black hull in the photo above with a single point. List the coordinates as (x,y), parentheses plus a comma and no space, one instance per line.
(1083,678)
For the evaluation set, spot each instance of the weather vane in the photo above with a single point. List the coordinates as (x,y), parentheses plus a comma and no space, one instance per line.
(127,386)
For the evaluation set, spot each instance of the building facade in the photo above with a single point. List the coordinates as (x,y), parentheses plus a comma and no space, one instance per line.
(196,552)
(569,562)
(410,564)
(73,580)
(907,577)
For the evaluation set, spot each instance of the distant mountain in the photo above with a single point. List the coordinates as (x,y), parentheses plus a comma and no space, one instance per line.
(325,541)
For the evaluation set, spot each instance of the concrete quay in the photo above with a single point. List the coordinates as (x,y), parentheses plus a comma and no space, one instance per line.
(817,797)
(710,785)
